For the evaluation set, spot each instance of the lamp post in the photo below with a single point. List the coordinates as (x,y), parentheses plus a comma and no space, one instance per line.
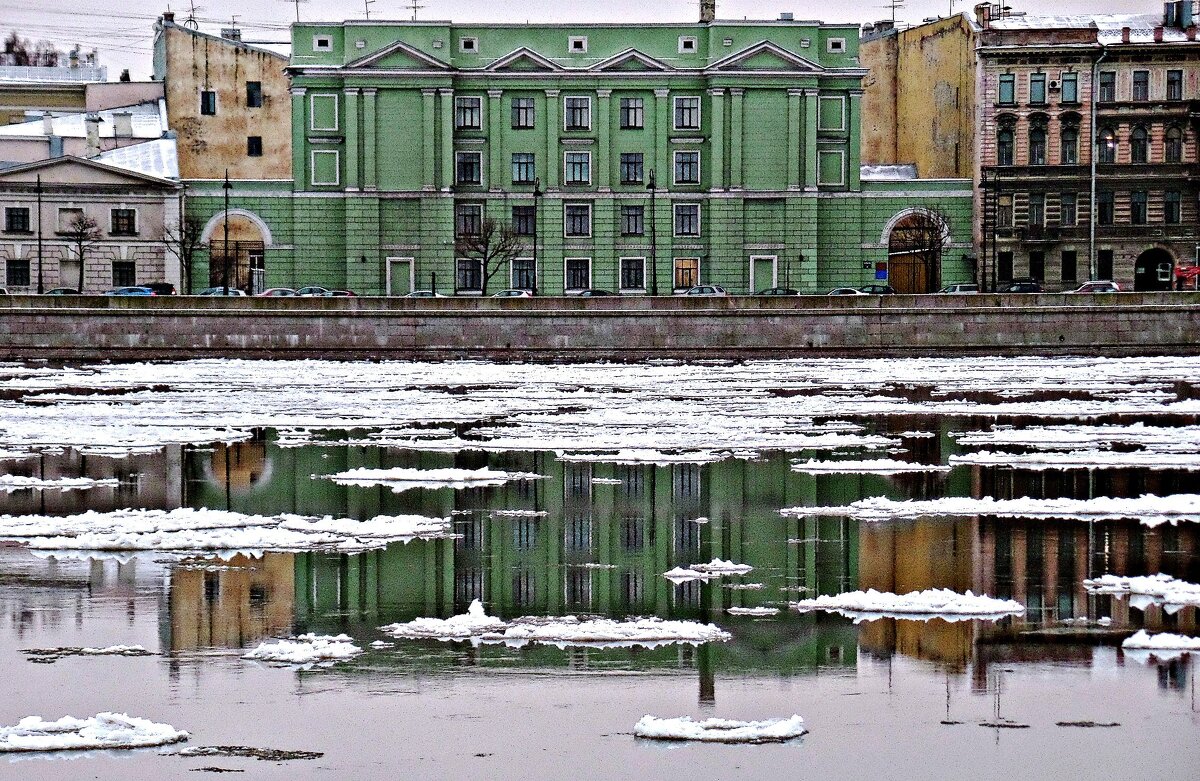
(39,234)
(225,251)
(537,229)
(652,186)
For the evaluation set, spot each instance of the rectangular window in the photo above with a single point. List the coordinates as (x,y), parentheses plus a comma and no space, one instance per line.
(468,44)
(522,168)
(1070,265)
(1172,211)
(687,113)
(468,168)
(1141,85)
(1104,264)
(631,168)
(1108,86)
(524,220)
(253,146)
(687,273)
(1067,210)
(633,220)
(254,95)
(687,219)
(468,275)
(1037,209)
(468,219)
(522,113)
(633,273)
(1070,87)
(1174,85)
(687,44)
(578,113)
(1004,211)
(16,220)
(124,273)
(687,168)
(16,272)
(577,44)
(632,114)
(326,167)
(1037,89)
(68,216)
(523,274)
(208,102)
(577,220)
(577,168)
(322,43)
(1037,265)
(123,223)
(1104,207)
(578,273)
(1004,266)
(1137,207)
(468,113)
(1008,90)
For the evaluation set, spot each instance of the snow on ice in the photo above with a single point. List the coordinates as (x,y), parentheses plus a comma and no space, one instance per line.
(714,569)
(473,623)
(306,651)
(752,611)
(400,479)
(882,466)
(1158,588)
(720,730)
(921,605)
(1163,641)
(12,483)
(1149,509)
(102,731)
(1082,459)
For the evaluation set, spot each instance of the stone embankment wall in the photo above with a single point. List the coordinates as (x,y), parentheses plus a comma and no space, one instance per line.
(98,328)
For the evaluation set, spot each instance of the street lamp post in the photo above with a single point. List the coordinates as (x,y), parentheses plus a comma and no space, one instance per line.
(537,226)
(39,235)
(225,251)
(652,186)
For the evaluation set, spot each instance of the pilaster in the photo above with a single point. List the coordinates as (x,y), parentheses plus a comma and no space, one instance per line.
(352,139)
(300,173)
(428,139)
(664,169)
(795,130)
(604,136)
(495,150)
(854,153)
(810,139)
(553,156)
(736,98)
(716,136)
(370,140)
(447,156)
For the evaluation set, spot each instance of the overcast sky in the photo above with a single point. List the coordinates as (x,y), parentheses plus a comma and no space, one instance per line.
(122,33)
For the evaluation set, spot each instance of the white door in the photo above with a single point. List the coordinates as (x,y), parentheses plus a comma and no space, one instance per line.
(762,272)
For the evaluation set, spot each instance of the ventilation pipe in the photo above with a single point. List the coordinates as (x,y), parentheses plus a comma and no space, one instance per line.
(708,11)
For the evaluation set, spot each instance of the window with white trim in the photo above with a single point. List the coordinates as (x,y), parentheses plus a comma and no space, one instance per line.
(633,273)
(468,219)
(577,168)
(322,43)
(468,44)
(468,113)
(326,167)
(577,44)
(687,44)
(468,168)
(687,273)
(836,45)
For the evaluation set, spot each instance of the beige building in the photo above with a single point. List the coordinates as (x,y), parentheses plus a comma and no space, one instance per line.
(132,212)
(919,98)
(228,102)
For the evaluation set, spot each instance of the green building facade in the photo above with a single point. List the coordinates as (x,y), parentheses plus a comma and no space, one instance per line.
(407,134)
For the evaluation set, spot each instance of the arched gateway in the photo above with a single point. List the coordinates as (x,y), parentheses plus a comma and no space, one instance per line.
(242,262)
(1154,270)
(915,242)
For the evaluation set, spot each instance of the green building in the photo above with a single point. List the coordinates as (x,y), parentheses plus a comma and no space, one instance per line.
(640,158)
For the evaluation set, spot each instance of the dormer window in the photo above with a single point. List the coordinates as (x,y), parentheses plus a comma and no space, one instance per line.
(577,44)
(687,44)
(836,45)
(470,45)
(322,43)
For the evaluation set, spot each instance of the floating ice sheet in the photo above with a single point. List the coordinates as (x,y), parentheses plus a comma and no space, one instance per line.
(473,623)
(921,605)
(720,730)
(752,611)
(714,569)
(1182,439)
(1083,459)
(12,483)
(401,479)
(882,466)
(102,731)
(306,651)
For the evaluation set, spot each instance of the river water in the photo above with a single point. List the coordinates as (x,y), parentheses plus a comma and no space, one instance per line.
(712,458)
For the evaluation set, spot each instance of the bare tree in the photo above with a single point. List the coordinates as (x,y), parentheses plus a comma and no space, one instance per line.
(82,233)
(184,242)
(494,246)
(22,51)
(922,237)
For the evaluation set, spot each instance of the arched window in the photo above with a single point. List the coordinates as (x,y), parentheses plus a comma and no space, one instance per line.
(1139,145)
(1004,145)
(1037,144)
(1070,145)
(1106,146)
(1174,145)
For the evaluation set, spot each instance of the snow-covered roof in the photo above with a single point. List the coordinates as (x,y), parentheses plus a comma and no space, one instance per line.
(889,173)
(1109,26)
(148,120)
(156,158)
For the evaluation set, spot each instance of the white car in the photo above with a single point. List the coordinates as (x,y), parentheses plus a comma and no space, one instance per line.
(512,294)
(846,291)
(423,294)
(706,290)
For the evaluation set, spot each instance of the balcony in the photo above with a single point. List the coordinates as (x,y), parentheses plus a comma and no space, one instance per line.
(1039,234)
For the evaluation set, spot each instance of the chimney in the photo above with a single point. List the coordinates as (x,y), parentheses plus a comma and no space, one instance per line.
(168,17)
(786,16)
(1191,32)
(231,33)
(92,123)
(123,124)
(1125,34)
(1158,34)
(983,13)
(708,11)
(48,124)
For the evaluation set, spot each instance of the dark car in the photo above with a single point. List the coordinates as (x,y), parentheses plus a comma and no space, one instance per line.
(778,291)
(1022,286)
(160,288)
(130,291)
(343,293)
(62,291)
(314,291)
(594,292)
(878,290)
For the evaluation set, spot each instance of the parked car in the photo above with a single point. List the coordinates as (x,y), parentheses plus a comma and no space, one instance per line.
(705,290)
(960,287)
(878,290)
(130,291)
(423,294)
(778,291)
(221,291)
(594,292)
(314,290)
(62,291)
(1098,286)
(1022,286)
(343,293)
(276,292)
(3,291)
(846,291)
(160,288)
(512,293)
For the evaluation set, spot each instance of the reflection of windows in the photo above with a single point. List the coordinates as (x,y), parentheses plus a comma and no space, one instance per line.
(468,586)
(633,533)
(523,589)
(685,481)
(577,534)
(577,482)
(577,588)
(687,272)
(633,587)
(633,481)
(524,532)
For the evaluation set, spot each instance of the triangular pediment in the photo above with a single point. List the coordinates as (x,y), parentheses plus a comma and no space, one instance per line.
(77,171)
(399,55)
(523,60)
(766,56)
(631,60)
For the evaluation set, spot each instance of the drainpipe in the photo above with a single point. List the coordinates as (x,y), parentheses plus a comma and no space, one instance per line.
(1094,154)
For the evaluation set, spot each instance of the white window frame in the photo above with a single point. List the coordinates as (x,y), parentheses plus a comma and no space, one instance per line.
(686,39)
(755,284)
(589,279)
(216,101)
(841,153)
(512,271)
(392,261)
(566,182)
(312,113)
(841,101)
(322,47)
(137,219)
(469,39)
(699,266)
(591,228)
(566,114)
(577,39)
(464,98)
(675,220)
(675,167)
(620,275)
(836,46)
(699,112)
(337,168)
(478,155)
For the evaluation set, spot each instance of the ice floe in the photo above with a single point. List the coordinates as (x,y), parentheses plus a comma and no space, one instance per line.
(752,611)
(187,529)
(1148,589)
(714,569)
(1163,641)
(1149,509)
(1082,459)
(882,466)
(51,655)
(1181,439)
(719,730)
(102,731)
(12,483)
(921,605)
(401,479)
(306,650)
(473,623)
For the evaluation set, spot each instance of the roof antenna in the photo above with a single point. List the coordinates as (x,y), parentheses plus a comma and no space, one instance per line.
(413,4)
(297,4)
(191,19)
(367,7)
